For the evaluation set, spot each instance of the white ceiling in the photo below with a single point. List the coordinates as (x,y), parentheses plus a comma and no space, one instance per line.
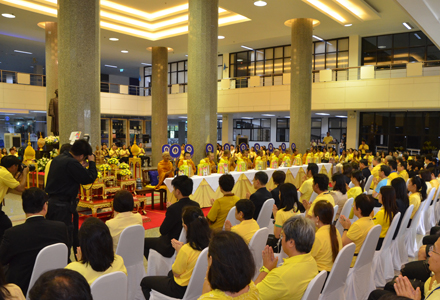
(265,29)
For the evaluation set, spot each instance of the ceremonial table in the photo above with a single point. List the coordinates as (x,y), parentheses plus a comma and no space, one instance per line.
(206,188)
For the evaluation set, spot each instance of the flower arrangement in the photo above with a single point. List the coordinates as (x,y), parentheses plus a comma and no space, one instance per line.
(99,175)
(104,167)
(113,161)
(54,153)
(51,139)
(124,166)
(41,164)
(125,172)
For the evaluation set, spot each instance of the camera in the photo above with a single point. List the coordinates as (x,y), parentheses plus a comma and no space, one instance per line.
(22,166)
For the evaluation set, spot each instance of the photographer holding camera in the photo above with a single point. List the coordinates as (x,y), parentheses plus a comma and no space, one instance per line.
(10,169)
(67,172)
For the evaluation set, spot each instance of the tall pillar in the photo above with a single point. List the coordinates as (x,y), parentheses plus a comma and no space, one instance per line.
(353,119)
(354,56)
(159,103)
(79,69)
(202,75)
(301,83)
(227,128)
(51,29)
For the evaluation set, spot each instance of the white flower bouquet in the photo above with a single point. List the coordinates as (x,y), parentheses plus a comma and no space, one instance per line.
(41,164)
(51,139)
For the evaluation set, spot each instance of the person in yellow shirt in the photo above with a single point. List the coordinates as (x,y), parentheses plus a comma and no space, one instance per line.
(434,183)
(227,253)
(357,178)
(209,159)
(343,157)
(375,171)
(288,207)
(114,151)
(363,147)
(401,170)
(384,217)
(369,157)
(275,158)
(417,187)
(220,207)
(244,212)
(357,232)
(258,158)
(327,139)
(227,159)
(13,151)
(197,235)
(124,154)
(245,156)
(290,280)
(328,241)
(393,172)
(187,158)
(306,188)
(304,158)
(320,186)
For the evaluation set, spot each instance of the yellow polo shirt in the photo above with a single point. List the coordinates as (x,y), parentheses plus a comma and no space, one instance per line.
(184,265)
(220,209)
(322,248)
(375,172)
(353,193)
(306,189)
(282,216)
(362,148)
(415,199)
(434,183)
(404,175)
(327,139)
(392,176)
(7,181)
(357,233)
(289,281)
(251,294)
(325,196)
(381,219)
(246,229)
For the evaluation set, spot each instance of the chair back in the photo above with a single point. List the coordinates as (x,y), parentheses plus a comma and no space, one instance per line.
(299,196)
(338,275)
(195,286)
(131,244)
(390,233)
(368,183)
(256,245)
(182,236)
(231,217)
(345,212)
(405,221)
(424,219)
(265,213)
(368,248)
(335,211)
(351,184)
(315,286)
(111,286)
(313,196)
(49,258)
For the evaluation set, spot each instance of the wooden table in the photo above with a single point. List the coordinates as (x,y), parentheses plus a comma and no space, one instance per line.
(151,190)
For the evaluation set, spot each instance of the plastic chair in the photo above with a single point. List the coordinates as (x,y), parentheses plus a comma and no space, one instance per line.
(346,213)
(351,184)
(427,218)
(368,183)
(265,213)
(399,252)
(334,287)
(195,286)
(159,265)
(360,281)
(111,286)
(299,196)
(130,248)
(49,258)
(231,217)
(424,219)
(315,286)
(383,268)
(335,211)
(256,245)
(433,210)
(411,233)
(313,196)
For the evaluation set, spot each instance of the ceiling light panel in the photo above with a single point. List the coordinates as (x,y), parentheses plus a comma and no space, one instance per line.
(360,9)
(153,26)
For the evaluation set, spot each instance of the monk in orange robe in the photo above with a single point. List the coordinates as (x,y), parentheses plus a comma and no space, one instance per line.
(187,157)
(210,160)
(165,169)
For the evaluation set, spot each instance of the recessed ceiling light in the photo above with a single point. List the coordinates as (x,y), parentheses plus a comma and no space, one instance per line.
(146,64)
(348,25)
(381,47)
(288,117)
(260,3)
(9,16)
(407,25)
(246,47)
(268,115)
(322,114)
(341,116)
(221,37)
(110,66)
(239,59)
(124,51)
(24,52)
(114,39)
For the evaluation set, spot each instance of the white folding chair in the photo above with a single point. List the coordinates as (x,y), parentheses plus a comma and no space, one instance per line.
(256,245)
(231,217)
(335,211)
(130,248)
(433,210)
(399,252)
(435,217)
(299,196)
(429,210)
(360,281)
(159,265)
(351,184)
(49,258)
(346,213)
(111,286)
(411,233)
(383,268)
(424,219)
(334,287)
(313,196)
(195,285)
(265,213)
(315,286)
(368,183)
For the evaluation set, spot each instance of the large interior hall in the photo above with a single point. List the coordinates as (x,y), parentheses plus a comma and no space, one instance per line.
(220,149)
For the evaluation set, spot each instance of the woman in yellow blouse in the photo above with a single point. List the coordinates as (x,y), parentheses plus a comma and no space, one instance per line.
(124,154)
(230,269)
(357,178)
(356,156)
(289,206)
(384,217)
(349,155)
(328,241)
(197,236)
(343,157)
(417,187)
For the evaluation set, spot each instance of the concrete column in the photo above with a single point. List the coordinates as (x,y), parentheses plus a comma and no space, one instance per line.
(354,56)
(301,84)
(202,75)
(142,81)
(79,69)
(159,103)
(51,29)
(353,119)
(227,128)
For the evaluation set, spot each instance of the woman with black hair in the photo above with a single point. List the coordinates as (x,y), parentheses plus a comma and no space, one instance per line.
(96,256)
(9,291)
(402,199)
(358,180)
(339,192)
(328,241)
(384,217)
(289,206)
(417,187)
(198,234)
(231,267)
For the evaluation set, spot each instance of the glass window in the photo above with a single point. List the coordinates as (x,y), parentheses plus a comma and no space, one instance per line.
(259,68)
(268,67)
(173,67)
(343,60)
(369,43)
(401,55)
(384,57)
(269,53)
(369,58)
(417,39)
(287,51)
(181,66)
(319,47)
(433,53)
(260,55)
(181,77)
(287,65)
(330,61)
(343,45)
(385,42)
(332,45)
(278,66)
(279,52)
(417,54)
(319,61)
(220,60)
(401,40)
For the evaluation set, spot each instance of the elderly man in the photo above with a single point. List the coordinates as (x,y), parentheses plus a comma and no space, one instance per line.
(290,280)
(165,169)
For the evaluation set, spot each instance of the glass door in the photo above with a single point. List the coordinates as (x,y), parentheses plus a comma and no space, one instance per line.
(105,131)
(119,132)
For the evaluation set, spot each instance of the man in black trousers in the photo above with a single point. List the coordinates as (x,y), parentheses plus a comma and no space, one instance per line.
(261,194)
